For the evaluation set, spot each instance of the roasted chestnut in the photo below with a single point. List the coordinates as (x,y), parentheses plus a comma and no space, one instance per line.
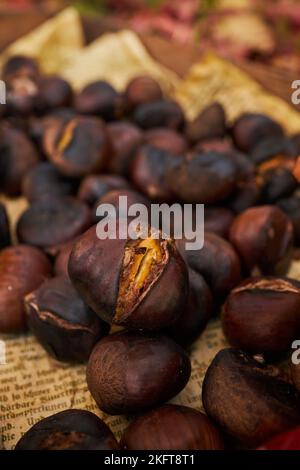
(209,124)
(218,220)
(276,183)
(166,139)
(141,90)
(125,140)
(4,227)
(62,259)
(69,430)
(130,372)
(113,198)
(64,325)
(22,269)
(272,147)
(291,207)
(172,427)
(249,400)
(161,113)
(54,92)
(100,99)
(94,187)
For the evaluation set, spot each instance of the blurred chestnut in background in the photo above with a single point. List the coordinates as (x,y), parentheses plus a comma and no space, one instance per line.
(209,124)
(158,430)
(291,207)
(218,220)
(69,430)
(271,147)
(205,178)
(130,372)
(77,147)
(22,269)
(4,227)
(276,183)
(113,198)
(64,325)
(166,139)
(125,140)
(136,283)
(261,315)
(161,113)
(263,237)
(94,187)
(100,99)
(44,181)
(54,92)
(17,156)
(51,222)
(251,128)
(248,399)
(141,90)
(20,65)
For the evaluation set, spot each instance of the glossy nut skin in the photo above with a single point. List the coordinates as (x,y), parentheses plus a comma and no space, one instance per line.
(263,238)
(139,284)
(161,113)
(54,92)
(44,181)
(94,187)
(218,220)
(64,325)
(172,427)
(166,139)
(130,372)
(205,178)
(4,227)
(209,124)
(17,156)
(291,207)
(141,90)
(250,128)
(69,430)
(247,399)
(125,139)
(61,261)
(261,315)
(217,262)
(22,269)
(52,222)
(100,99)
(77,147)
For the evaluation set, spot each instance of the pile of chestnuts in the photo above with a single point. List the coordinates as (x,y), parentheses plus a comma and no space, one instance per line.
(131,308)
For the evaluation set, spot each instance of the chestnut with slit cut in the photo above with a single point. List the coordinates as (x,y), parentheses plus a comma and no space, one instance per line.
(131,372)
(69,430)
(64,325)
(138,284)
(261,315)
(4,227)
(248,399)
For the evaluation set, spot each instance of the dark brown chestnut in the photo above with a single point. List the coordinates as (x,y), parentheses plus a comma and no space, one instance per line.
(263,238)
(250,128)
(94,187)
(77,147)
(213,145)
(138,284)
(54,92)
(172,427)
(276,183)
(52,222)
(141,90)
(209,124)
(113,199)
(62,259)
(206,178)
(22,269)
(20,64)
(271,147)
(261,315)
(4,227)
(69,430)
(218,220)
(130,372)
(125,140)
(248,399)
(161,113)
(291,207)
(101,99)
(166,139)
(64,325)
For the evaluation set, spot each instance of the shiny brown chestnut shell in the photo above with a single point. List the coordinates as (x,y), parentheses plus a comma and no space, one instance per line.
(131,372)
(69,430)
(94,187)
(158,430)
(125,139)
(248,399)
(141,90)
(291,207)
(100,99)
(166,139)
(209,124)
(218,220)
(160,113)
(54,92)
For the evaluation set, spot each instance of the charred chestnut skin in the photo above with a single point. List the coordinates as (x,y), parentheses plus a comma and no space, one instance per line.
(248,399)
(160,113)
(166,139)
(100,99)
(261,315)
(157,430)
(51,222)
(131,372)
(22,269)
(139,284)
(250,128)
(209,124)
(263,237)
(141,90)
(4,227)
(125,139)
(69,430)
(78,146)
(94,187)
(66,327)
